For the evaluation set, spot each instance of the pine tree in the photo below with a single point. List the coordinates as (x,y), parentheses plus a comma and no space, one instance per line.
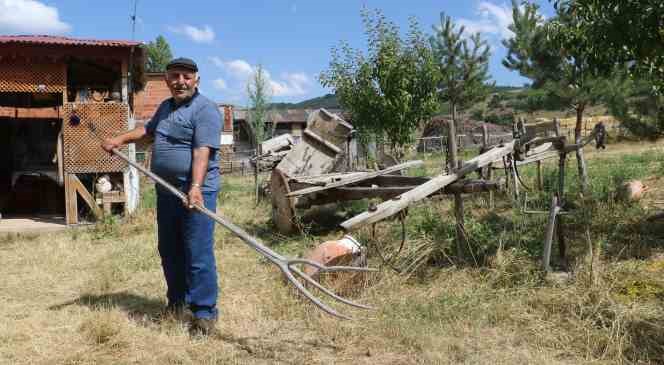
(463,64)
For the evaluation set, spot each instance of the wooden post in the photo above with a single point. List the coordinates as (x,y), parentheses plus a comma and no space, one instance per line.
(71,206)
(125,81)
(515,183)
(489,168)
(550,227)
(562,247)
(540,183)
(561,178)
(453,165)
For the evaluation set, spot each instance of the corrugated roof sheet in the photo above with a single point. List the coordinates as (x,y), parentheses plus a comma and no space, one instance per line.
(65,41)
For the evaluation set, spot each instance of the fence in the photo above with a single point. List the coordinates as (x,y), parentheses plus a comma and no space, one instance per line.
(438,143)
(241,167)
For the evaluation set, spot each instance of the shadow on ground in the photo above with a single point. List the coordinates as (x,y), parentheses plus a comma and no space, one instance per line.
(134,305)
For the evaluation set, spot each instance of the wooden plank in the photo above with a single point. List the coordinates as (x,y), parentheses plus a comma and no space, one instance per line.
(397,180)
(326,178)
(489,170)
(537,158)
(71,206)
(388,192)
(77,186)
(548,240)
(391,207)
(336,150)
(124,74)
(357,179)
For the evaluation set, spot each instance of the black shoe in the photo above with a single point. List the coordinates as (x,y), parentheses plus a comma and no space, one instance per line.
(204,327)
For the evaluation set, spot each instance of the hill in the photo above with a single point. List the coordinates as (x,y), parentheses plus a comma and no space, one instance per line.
(328,101)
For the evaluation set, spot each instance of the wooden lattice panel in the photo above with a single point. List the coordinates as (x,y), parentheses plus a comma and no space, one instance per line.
(82,147)
(20,75)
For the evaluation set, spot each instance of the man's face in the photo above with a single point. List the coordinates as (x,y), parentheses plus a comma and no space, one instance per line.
(182,83)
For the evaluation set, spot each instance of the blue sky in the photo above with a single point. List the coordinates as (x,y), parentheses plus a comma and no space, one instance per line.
(290,38)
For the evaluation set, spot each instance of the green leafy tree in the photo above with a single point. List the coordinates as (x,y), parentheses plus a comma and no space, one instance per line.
(463,64)
(557,67)
(616,32)
(390,90)
(158,55)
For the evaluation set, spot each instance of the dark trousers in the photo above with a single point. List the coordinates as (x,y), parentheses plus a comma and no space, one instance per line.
(186,247)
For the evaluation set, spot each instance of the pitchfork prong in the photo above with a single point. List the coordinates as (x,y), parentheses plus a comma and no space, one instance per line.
(324,307)
(329,292)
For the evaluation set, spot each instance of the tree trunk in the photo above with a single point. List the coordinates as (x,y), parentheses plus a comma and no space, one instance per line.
(581,162)
(452,142)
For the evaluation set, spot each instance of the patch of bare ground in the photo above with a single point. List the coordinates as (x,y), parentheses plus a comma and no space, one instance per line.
(95,297)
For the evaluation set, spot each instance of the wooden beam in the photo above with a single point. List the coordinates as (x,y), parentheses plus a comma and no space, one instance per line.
(389,192)
(391,207)
(336,150)
(124,70)
(550,228)
(489,171)
(71,205)
(87,197)
(356,179)
(537,158)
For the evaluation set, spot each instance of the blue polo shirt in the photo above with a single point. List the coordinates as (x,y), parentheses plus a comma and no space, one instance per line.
(177,130)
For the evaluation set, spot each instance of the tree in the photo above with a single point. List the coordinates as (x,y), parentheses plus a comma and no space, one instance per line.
(557,67)
(259,98)
(158,55)
(633,102)
(616,32)
(390,90)
(463,64)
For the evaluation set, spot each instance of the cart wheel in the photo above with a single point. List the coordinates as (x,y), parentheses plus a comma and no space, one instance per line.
(283,207)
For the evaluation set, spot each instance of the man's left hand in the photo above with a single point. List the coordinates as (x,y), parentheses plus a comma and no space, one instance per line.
(195,197)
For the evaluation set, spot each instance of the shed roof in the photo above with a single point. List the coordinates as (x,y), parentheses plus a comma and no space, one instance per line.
(65,41)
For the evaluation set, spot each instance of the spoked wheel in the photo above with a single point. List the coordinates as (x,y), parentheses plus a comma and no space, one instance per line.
(283,207)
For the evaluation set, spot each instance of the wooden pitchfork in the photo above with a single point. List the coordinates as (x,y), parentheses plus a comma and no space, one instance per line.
(283,263)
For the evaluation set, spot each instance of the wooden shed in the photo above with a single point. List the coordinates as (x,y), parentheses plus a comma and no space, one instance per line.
(58,97)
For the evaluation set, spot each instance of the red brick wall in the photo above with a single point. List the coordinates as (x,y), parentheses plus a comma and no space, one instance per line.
(147,101)
(228,118)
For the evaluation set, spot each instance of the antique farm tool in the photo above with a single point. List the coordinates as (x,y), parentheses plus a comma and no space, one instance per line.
(286,265)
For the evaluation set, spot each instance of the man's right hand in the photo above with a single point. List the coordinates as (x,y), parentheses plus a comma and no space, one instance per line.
(110,143)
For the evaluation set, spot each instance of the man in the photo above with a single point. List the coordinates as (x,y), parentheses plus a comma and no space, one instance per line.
(186,130)
(600,136)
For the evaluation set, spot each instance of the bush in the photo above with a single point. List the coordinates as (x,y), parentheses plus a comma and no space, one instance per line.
(504,119)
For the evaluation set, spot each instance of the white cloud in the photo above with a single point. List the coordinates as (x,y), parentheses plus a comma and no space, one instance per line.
(287,85)
(239,69)
(219,84)
(30,17)
(493,20)
(198,35)
(292,84)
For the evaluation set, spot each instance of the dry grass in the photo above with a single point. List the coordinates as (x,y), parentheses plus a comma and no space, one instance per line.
(94,297)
